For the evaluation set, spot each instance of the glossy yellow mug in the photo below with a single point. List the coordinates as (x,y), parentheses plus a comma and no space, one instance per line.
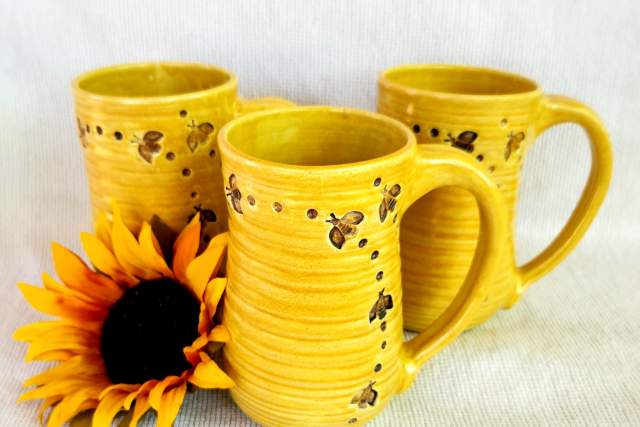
(314,297)
(493,118)
(148,132)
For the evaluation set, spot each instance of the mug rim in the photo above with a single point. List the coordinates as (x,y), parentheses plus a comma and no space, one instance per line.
(238,155)
(229,84)
(387,82)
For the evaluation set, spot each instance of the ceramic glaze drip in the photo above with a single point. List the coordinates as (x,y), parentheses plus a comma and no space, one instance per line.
(440,231)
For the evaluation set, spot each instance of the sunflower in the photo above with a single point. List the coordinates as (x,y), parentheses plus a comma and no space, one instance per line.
(131,334)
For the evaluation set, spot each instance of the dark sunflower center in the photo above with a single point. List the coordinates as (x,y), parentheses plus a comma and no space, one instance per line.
(146,330)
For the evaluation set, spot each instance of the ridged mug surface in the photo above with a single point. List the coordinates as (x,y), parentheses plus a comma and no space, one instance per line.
(314,298)
(148,134)
(493,117)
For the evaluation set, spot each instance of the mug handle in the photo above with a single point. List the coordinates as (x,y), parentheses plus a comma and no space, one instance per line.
(245,106)
(556,110)
(441,166)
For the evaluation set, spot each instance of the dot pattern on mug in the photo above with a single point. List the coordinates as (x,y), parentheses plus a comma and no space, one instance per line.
(366,396)
(464,139)
(382,304)
(147,148)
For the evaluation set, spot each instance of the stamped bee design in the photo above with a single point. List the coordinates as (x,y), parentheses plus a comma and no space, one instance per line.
(82,134)
(148,146)
(206,215)
(380,307)
(199,134)
(234,194)
(344,228)
(463,141)
(389,201)
(513,144)
(367,396)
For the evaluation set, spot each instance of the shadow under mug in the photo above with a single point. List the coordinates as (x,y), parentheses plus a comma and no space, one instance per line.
(148,133)
(493,117)
(314,297)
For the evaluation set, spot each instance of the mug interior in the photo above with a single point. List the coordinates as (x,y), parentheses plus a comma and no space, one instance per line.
(152,80)
(459,80)
(316,136)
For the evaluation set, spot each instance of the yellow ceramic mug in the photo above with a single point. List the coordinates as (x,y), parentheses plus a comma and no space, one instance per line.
(493,118)
(314,298)
(148,133)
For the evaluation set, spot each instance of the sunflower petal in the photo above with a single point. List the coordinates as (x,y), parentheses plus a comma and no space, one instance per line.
(60,305)
(66,339)
(155,395)
(125,388)
(108,408)
(141,408)
(219,334)
(150,249)
(199,343)
(192,352)
(63,337)
(214,292)
(103,230)
(206,265)
(53,285)
(88,365)
(56,356)
(75,274)
(170,405)
(104,260)
(209,375)
(73,404)
(32,331)
(185,248)
(204,320)
(48,402)
(62,387)
(142,391)
(128,251)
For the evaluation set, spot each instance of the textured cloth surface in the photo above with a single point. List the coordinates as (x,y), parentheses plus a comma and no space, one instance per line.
(567,354)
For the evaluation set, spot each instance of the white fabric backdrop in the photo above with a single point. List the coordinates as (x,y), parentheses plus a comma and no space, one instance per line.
(568,354)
